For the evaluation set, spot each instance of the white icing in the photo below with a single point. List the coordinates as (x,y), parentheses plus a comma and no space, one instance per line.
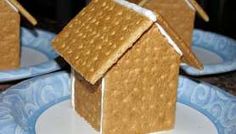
(12,6)
(73,89)
(102,99)
(163,132)
(170,41)
(189,4)
(148,13)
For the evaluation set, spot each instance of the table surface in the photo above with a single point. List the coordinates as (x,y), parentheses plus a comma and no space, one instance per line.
(225,81)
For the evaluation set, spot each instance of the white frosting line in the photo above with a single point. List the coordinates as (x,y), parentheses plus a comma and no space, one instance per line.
(73,89)
(170,41)
(12,6)
(148,13)
(102,100)
(189,4)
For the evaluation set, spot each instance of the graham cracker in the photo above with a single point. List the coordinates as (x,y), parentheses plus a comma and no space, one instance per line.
(188,56)
(178,14)
(88,100)
(200,10)
(15,4)
(140,91)
(181,38)
(9,37)
(5,7)
(96,38)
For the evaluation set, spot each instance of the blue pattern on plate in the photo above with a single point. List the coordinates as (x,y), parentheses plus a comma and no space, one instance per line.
(38,40)
(21,105)
(217,105)
(221,45)
(22,102)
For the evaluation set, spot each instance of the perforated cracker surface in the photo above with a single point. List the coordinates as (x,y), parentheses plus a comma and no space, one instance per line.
(140,90)
(88,100)
(178,14)
(5,7)
(188,56)
(9,37)
(98,36)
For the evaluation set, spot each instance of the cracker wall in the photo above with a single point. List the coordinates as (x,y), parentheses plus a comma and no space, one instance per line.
(88,100)
(140,90)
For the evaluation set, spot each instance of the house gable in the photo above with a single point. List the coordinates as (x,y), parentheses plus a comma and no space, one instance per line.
(144,80)
(130,82)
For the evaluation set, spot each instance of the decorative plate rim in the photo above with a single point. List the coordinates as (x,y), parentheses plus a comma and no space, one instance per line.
(224,119)
(223,42)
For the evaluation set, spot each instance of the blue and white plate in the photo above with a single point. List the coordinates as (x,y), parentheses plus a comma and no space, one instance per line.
(37,56)
(42,105)
(216,52)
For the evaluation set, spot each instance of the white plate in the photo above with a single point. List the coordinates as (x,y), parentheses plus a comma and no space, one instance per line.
(41,106)
(37,56)
(31,57)
(62,117)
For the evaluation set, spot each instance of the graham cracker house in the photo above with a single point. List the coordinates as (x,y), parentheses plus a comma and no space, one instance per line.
(10,33)
(180,14)
(126,64)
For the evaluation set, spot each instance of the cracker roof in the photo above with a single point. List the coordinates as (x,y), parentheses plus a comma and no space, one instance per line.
(101,33)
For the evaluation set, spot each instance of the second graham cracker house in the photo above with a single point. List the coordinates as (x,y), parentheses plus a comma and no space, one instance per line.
(180,14)
(10,33)
(9,37)
(126,64)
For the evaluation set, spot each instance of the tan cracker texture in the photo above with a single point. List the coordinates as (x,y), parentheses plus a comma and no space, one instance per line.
(178,14)
(94,40)
(140,91)
(9,37)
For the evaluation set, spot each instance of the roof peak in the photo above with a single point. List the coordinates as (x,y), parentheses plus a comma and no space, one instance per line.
(139,9)
(199,9)
(18,7)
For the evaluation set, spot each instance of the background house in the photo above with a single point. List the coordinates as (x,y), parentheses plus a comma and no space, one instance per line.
(56,14)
